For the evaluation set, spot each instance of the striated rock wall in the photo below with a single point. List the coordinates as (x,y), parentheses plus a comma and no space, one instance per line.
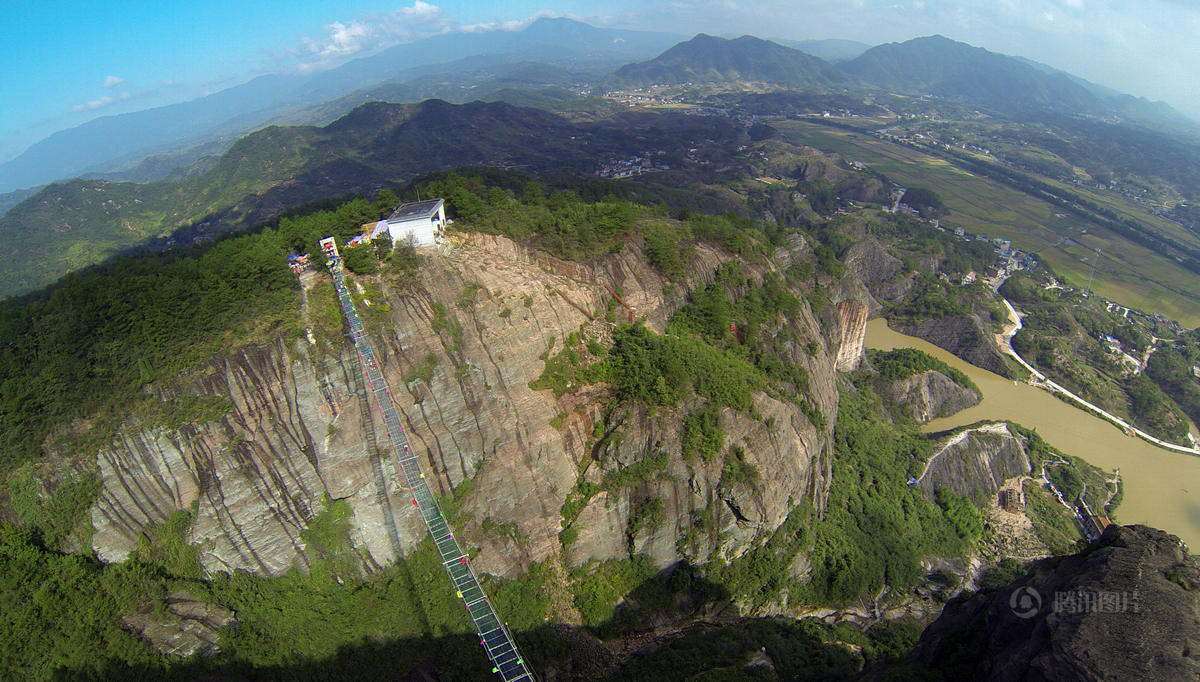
(976,462)
(300,428)
(853,318)
(927,396)
(880,271)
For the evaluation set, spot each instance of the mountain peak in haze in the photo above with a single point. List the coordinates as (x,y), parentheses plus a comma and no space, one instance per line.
(707,58)
(937,65)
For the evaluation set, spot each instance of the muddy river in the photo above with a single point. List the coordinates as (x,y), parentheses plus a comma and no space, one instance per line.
(1162,488)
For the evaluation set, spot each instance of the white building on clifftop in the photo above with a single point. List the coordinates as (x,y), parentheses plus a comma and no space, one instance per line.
(425,221)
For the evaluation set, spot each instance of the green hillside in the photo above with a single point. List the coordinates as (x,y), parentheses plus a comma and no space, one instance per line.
(706,59)
(71,225)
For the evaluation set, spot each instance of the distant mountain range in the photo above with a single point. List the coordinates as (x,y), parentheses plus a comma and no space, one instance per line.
(111,141)
(209,182)
(162,142)
(932,65)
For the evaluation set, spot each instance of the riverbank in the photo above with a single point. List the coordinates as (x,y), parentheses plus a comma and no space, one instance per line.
(1040,380)
(1156,481)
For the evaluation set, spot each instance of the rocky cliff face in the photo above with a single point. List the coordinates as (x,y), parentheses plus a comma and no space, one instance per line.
(962,335)
(879,270)
(883,276)
(976,462)
(1126,609)
(300,428)
(928,395)
(852,317)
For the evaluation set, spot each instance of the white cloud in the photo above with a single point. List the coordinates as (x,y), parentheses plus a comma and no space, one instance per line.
(93,104)
(113,81)
(370,33)
(510,25)
(373,32)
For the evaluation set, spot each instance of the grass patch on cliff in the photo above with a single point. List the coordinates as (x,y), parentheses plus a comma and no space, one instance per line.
(750,320)
(174,413)
(331,555)
(659,369)
(447,321)
(702,434)
(59,516)
(599,587)
(325,318)
(902,363)
(166,545)
(569,369)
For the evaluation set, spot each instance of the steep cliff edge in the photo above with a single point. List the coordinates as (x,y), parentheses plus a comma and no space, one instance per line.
(852,317)
(881,272)
(962,335)
(975,462)
(928,395)
(885,277)
(459,351)
(1125,609)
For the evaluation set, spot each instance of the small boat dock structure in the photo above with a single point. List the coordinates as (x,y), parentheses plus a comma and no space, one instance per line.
(493,636)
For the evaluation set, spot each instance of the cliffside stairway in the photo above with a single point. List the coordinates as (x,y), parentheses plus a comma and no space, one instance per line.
(493,636)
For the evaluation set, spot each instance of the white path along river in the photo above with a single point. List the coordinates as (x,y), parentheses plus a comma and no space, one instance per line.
(1162,488)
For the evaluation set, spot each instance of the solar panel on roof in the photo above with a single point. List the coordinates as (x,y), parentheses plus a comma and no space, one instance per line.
(415,210)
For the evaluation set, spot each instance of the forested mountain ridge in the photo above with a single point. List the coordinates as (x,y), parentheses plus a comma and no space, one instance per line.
(707,58)
(940,66)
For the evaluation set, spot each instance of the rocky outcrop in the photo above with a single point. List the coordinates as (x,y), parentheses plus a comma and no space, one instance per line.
(927,396)
(975,462)
(963,335)
(881,272)
(779,444)
(1126,609)
(300,428)
(185,626)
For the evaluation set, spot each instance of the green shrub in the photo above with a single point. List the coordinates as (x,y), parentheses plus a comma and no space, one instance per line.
(738,471)
(360,259)
(902,363)
(599,588)
(667,248)
(701,435)
(444,321)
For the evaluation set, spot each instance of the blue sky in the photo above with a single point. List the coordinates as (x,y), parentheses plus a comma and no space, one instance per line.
(63,63)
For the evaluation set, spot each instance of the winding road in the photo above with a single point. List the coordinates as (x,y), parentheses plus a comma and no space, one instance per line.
(1005,341)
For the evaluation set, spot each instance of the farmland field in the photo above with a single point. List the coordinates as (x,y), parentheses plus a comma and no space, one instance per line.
(1126,272)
